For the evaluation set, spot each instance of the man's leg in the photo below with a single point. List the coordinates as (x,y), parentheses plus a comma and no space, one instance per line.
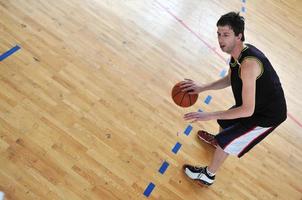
(206,175)
(218,158)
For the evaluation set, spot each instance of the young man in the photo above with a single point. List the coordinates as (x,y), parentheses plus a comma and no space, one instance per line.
(260,104)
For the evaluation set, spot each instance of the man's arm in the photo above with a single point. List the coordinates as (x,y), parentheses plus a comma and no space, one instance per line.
(219,84)
(250,70)
(193,88)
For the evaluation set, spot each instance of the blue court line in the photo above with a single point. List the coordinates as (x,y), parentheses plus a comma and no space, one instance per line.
(163,167)
(243,9)
(149,189)
(176,147)
(188,130)
(208,99)
(9,52)
(222,73)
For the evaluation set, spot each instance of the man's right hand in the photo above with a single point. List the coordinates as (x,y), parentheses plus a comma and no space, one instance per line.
(191,87)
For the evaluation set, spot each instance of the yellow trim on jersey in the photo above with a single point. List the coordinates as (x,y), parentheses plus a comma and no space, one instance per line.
(245,48)
(258,61)
(236,61)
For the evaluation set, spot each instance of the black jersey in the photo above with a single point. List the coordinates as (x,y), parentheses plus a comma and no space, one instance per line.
(270,104)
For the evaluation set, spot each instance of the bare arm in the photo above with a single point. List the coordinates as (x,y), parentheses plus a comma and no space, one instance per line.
(189,85)
(250,70)
(219,84)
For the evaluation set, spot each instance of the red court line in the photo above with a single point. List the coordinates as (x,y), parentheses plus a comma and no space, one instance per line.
(294,119)
(209,46)
(194,33)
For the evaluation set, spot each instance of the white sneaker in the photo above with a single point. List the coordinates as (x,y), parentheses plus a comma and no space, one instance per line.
(198,174)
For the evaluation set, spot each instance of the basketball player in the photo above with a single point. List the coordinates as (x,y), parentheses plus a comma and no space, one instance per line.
(259,100)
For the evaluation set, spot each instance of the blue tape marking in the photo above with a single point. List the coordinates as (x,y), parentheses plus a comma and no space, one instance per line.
(208,99)
(199,110)
(243,9)
(149,189)
(222,73)
(176,147)
(188,130)
(163,167)
(9,52)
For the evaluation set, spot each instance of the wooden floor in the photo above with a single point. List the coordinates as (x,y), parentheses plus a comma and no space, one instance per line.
(85,106)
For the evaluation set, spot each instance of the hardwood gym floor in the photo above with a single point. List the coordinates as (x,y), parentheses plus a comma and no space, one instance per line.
(85,106)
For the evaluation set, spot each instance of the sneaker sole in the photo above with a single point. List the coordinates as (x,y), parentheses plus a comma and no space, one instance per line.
(203,183)
(200,138)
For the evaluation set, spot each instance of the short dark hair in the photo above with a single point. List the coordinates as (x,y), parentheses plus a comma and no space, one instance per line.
(235,21)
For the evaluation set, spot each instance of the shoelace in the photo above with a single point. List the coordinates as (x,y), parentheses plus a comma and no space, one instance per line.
(198,168)
(202,171)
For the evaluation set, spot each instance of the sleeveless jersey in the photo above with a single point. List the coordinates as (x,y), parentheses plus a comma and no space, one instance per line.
(270,105)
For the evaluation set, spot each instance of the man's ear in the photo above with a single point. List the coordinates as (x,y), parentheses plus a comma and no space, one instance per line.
(239,36)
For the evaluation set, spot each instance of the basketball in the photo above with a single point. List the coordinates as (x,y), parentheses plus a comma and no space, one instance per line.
(183,99)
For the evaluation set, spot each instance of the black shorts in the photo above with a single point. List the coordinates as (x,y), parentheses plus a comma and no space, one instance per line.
(237,139)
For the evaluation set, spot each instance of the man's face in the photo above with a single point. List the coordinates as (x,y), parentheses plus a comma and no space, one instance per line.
(226,38)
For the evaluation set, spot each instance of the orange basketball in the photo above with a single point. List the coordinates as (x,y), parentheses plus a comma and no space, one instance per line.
(183,99)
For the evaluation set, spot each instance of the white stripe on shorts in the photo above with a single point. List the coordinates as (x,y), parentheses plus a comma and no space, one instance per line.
(240,143)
